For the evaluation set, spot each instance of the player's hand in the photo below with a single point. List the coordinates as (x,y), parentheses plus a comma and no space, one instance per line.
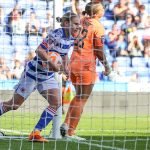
(55,67)
(107,71)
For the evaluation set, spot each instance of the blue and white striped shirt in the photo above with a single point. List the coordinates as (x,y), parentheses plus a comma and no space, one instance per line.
(55,41)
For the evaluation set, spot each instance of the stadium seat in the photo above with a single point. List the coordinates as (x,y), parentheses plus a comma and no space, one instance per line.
(7,4)
(120,23)
(19,40)
(6,49)
(123,61)
(34,40)
(5,39)
(41,5)
(107,23)
(145,1)
(138,62)
(41,13)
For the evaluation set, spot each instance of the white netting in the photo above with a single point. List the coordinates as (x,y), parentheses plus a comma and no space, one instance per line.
(116,115)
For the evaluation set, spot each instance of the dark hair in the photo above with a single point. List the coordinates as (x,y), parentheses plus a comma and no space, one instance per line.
(142,7)
(66,17)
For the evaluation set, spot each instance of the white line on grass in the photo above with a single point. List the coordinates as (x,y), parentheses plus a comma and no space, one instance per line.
(14,131)
(100,146)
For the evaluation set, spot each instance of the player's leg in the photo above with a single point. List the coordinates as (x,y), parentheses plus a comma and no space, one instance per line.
(22,91)
(51,92)
(13,104)
(82,94)
(76,106)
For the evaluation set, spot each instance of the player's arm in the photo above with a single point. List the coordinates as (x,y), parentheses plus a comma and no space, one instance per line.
(41,52)
(65,64)
(99,49)
(99,52)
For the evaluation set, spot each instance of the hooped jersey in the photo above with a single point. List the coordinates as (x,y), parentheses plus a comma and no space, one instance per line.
(92,35)
(55,41)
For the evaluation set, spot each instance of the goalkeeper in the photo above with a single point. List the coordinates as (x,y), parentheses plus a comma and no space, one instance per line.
(87,48)
(39,73)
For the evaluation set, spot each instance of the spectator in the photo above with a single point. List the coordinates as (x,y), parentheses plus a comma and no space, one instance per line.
(133,33)
(18,25)
(143,15)
(78,7)
(4,70)
(121,10)
(121,46)
(116,30)
(135,47)
(115,67)
(17,70)
(129,23)
(33,25)
(110,44)
(137,22)
(147,49)
(12,16)
(134,6)
(116,71)
(1,20)
(47,24)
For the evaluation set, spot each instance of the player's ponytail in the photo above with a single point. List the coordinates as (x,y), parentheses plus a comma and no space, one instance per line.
(58,19)
(84,13)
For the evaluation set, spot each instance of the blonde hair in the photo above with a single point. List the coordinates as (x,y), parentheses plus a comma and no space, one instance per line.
(92,8)
(66,17)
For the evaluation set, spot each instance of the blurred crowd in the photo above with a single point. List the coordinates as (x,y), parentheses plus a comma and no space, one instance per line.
(23,25)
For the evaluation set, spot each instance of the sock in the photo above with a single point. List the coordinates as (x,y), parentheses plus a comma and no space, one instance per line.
(45,118)
(74,114)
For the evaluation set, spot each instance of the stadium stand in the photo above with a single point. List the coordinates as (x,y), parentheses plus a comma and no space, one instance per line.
(10,42)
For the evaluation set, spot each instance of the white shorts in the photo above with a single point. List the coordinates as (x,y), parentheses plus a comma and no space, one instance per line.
(27,85)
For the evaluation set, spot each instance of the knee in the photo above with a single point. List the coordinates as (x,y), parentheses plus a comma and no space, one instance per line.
(10,105)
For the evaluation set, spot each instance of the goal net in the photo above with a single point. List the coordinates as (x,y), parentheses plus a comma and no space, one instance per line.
(117,114)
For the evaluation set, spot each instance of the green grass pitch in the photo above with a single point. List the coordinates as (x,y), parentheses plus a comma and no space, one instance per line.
(102,132)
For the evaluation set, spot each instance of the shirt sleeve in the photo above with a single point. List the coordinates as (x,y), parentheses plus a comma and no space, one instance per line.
(99,36)
(48,41)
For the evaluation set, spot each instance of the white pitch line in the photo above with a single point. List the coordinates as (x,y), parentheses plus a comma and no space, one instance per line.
(14,131)
(100,146)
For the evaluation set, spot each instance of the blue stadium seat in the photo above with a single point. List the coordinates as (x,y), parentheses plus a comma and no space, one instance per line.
(5,39)
(138,62)
(40,5)
(41,13)
(145,1)
(123,61)
(120,22)
(19,40)
(34,40)
(107,23)
(7,3)
(6,49)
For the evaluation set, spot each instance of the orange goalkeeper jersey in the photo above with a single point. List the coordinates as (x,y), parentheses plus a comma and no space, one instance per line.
(83,57)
